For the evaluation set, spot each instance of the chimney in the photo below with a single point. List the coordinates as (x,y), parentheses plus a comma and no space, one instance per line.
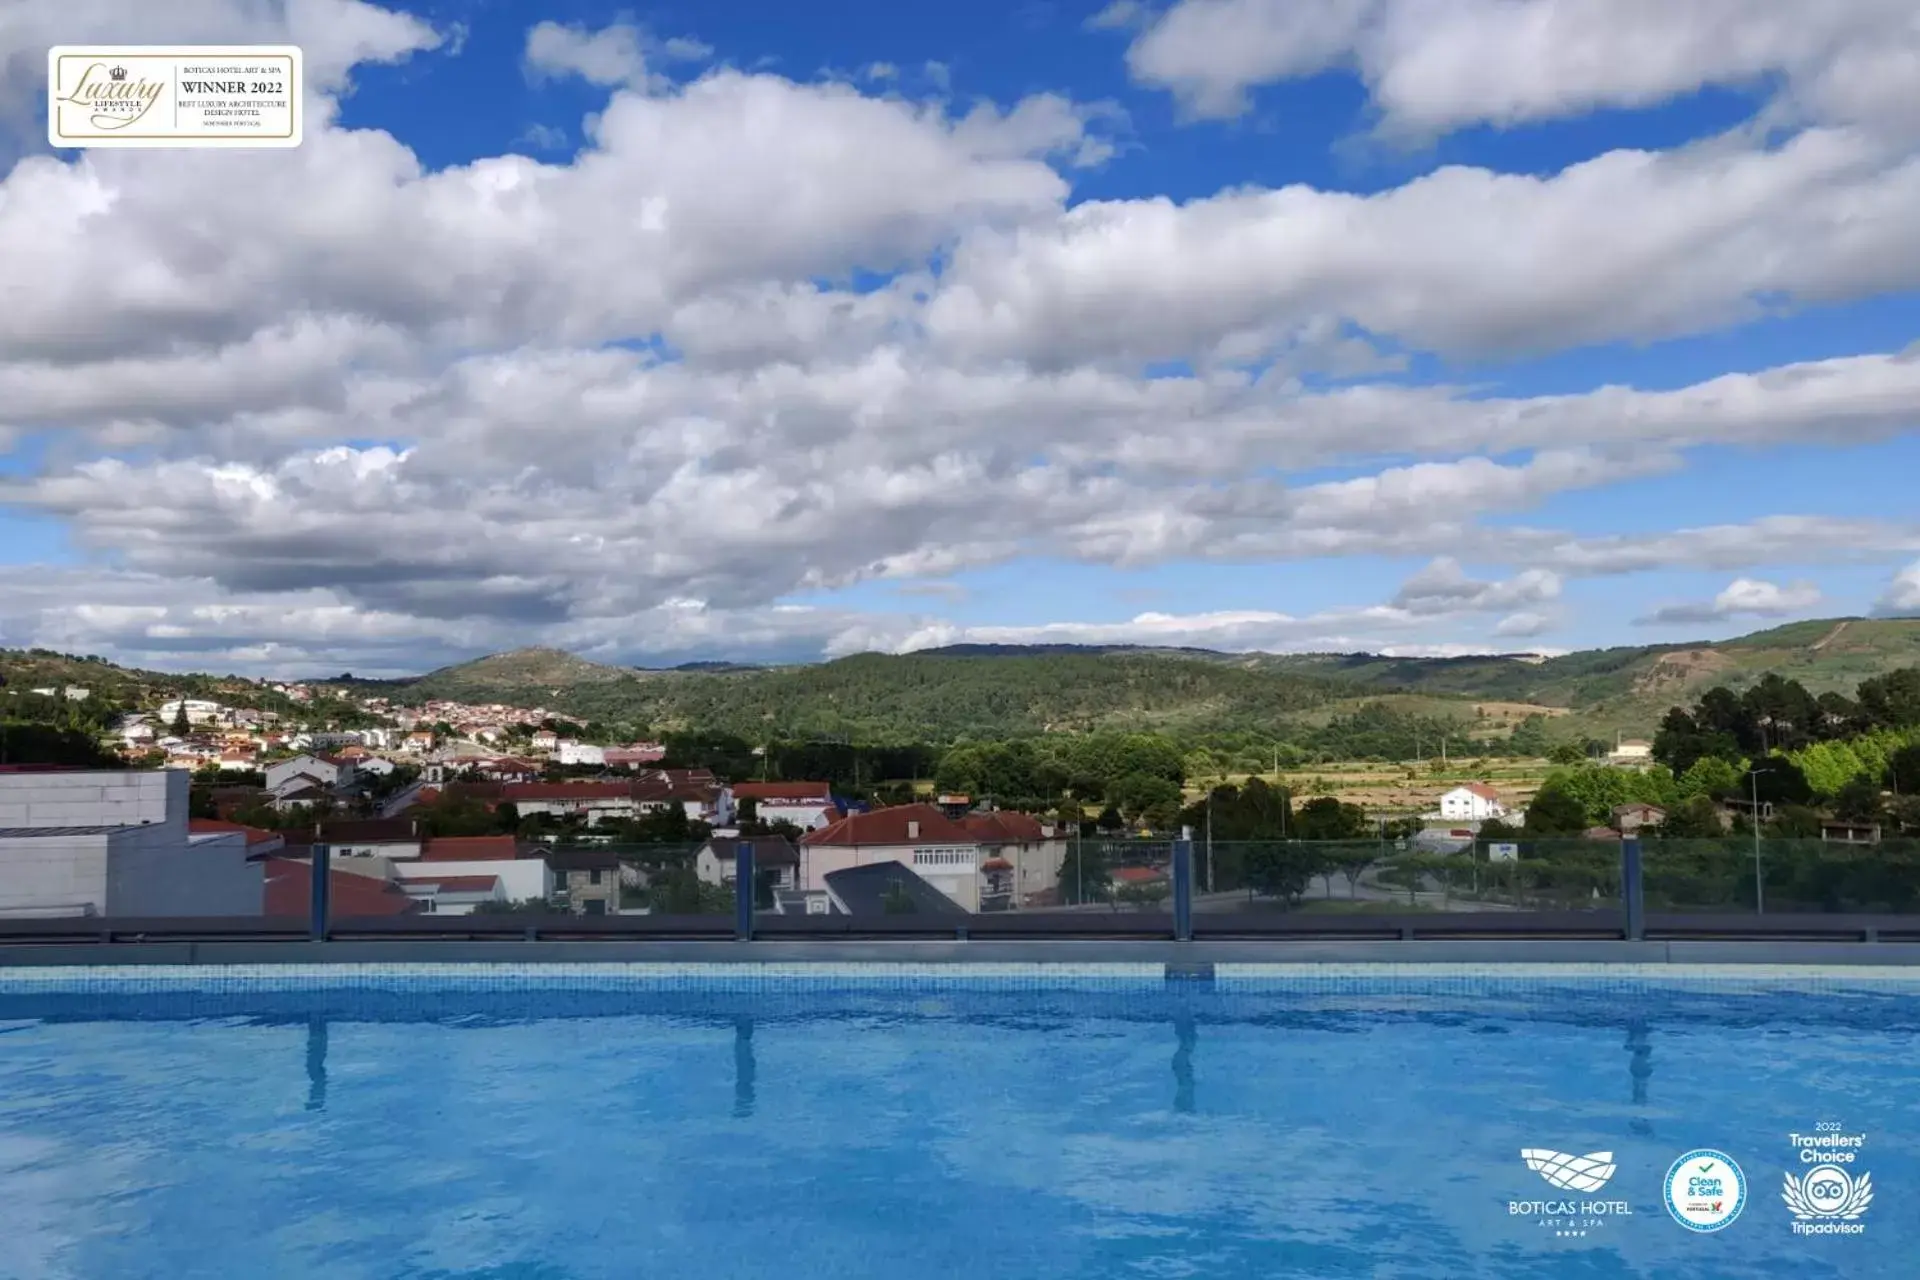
(913,829)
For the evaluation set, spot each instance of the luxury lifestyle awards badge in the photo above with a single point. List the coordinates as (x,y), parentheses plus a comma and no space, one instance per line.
(1573,1217)
(1831,1192)
(173,96)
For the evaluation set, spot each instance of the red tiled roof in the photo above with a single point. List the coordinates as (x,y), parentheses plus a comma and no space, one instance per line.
(213,826)
(289,892)
(1138,875)
(782,791)
(889,827)
(469,848)
(996,864)
(1482,790)
(1002,827)
(567,791)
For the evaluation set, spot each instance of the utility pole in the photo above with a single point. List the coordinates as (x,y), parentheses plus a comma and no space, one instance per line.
(1759,879)
(1209,888)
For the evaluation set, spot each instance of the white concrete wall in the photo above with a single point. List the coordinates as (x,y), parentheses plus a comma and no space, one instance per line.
(959,882)
(53,874)
(806,815)
(281,771)
(151,873)
(94,798)
(521,878)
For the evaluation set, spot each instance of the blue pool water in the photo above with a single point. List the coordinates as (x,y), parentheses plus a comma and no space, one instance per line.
(917,1128)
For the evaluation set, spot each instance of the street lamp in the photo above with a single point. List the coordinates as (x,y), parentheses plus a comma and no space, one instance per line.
(1759,881)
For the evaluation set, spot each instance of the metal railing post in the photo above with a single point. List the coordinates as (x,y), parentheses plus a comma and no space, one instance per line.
(322,891)
(743,891)
(1183,886)
(1633,895)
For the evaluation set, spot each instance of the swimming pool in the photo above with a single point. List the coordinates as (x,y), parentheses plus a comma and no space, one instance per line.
(670,1121)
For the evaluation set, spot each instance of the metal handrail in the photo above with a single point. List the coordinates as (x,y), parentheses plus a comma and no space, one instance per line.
(1606,924)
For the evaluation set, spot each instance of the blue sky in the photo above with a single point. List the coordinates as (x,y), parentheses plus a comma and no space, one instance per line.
(721,331)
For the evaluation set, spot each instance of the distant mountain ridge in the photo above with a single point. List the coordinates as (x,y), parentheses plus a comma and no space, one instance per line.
(1010,690)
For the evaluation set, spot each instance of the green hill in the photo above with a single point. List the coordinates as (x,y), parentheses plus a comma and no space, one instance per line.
(1629,688)
(1001,691)
(880,697)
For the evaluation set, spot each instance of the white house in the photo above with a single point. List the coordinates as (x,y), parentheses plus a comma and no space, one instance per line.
(329,771)
(715,862)
(199,710)
(456,867)
(580,753)
(1631,753)
(116,842)
(807,805)
(984,862)
(593,801)
(1472,802)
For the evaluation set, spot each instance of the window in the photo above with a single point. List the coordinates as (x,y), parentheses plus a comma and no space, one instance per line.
(593,878)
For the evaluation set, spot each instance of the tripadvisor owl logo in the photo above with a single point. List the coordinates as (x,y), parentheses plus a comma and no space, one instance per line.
(1831,1192)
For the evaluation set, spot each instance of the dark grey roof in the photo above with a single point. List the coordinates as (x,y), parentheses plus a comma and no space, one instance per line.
(576,859)
(16,833)
(863,890)
(768,851)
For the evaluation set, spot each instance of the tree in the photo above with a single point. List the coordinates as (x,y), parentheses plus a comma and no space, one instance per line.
(1084,876)
(681,892)
(1567,753)
(181,726)
(1555,811)
(1795,822)
(1283,870)
(1860,801)
(1903,770)
(1709,776)
(1695,818)
(1529,738)
(1325,818)
(1892,700)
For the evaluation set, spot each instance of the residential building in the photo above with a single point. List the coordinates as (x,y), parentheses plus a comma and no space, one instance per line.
(807,805)
(395,838)
(1472,802)
(544,740)
(116,842)
(592,801)
(1030,852)
(570,752)
(704,799)
(417,743)
(1631,753)
(589,879)
(887,888)
(521,875)
(354,889)
(442,892)
(507,769)
(1629,818)
(715,862)
(327,771)
(259,841)
(935,847)
(1850,832)
(199,710)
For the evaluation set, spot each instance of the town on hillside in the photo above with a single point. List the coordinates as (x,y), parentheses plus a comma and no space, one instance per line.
(452,808)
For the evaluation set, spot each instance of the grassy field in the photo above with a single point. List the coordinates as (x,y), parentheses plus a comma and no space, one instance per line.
(1398,789)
